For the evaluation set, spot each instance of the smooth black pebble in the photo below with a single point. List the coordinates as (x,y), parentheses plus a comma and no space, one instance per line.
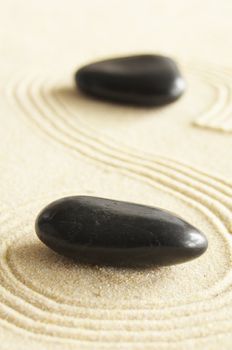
(148,80)
(102,231)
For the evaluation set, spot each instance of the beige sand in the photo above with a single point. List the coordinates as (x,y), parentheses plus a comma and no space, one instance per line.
(56,143)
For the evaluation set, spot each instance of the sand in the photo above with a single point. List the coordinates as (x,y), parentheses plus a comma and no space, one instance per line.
(56,142)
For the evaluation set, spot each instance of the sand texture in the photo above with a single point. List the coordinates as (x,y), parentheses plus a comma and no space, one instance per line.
(56,142)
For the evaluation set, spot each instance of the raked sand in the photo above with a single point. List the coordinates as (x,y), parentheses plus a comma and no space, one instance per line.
(55,142)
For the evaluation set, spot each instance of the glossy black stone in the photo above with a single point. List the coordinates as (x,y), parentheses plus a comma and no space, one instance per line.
(149,80)
(102,231)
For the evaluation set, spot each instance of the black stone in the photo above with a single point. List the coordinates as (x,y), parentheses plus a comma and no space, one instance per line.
(149,80)
(102,231)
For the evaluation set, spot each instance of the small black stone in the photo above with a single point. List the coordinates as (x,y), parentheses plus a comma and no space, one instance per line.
(102,231)
(148,80)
